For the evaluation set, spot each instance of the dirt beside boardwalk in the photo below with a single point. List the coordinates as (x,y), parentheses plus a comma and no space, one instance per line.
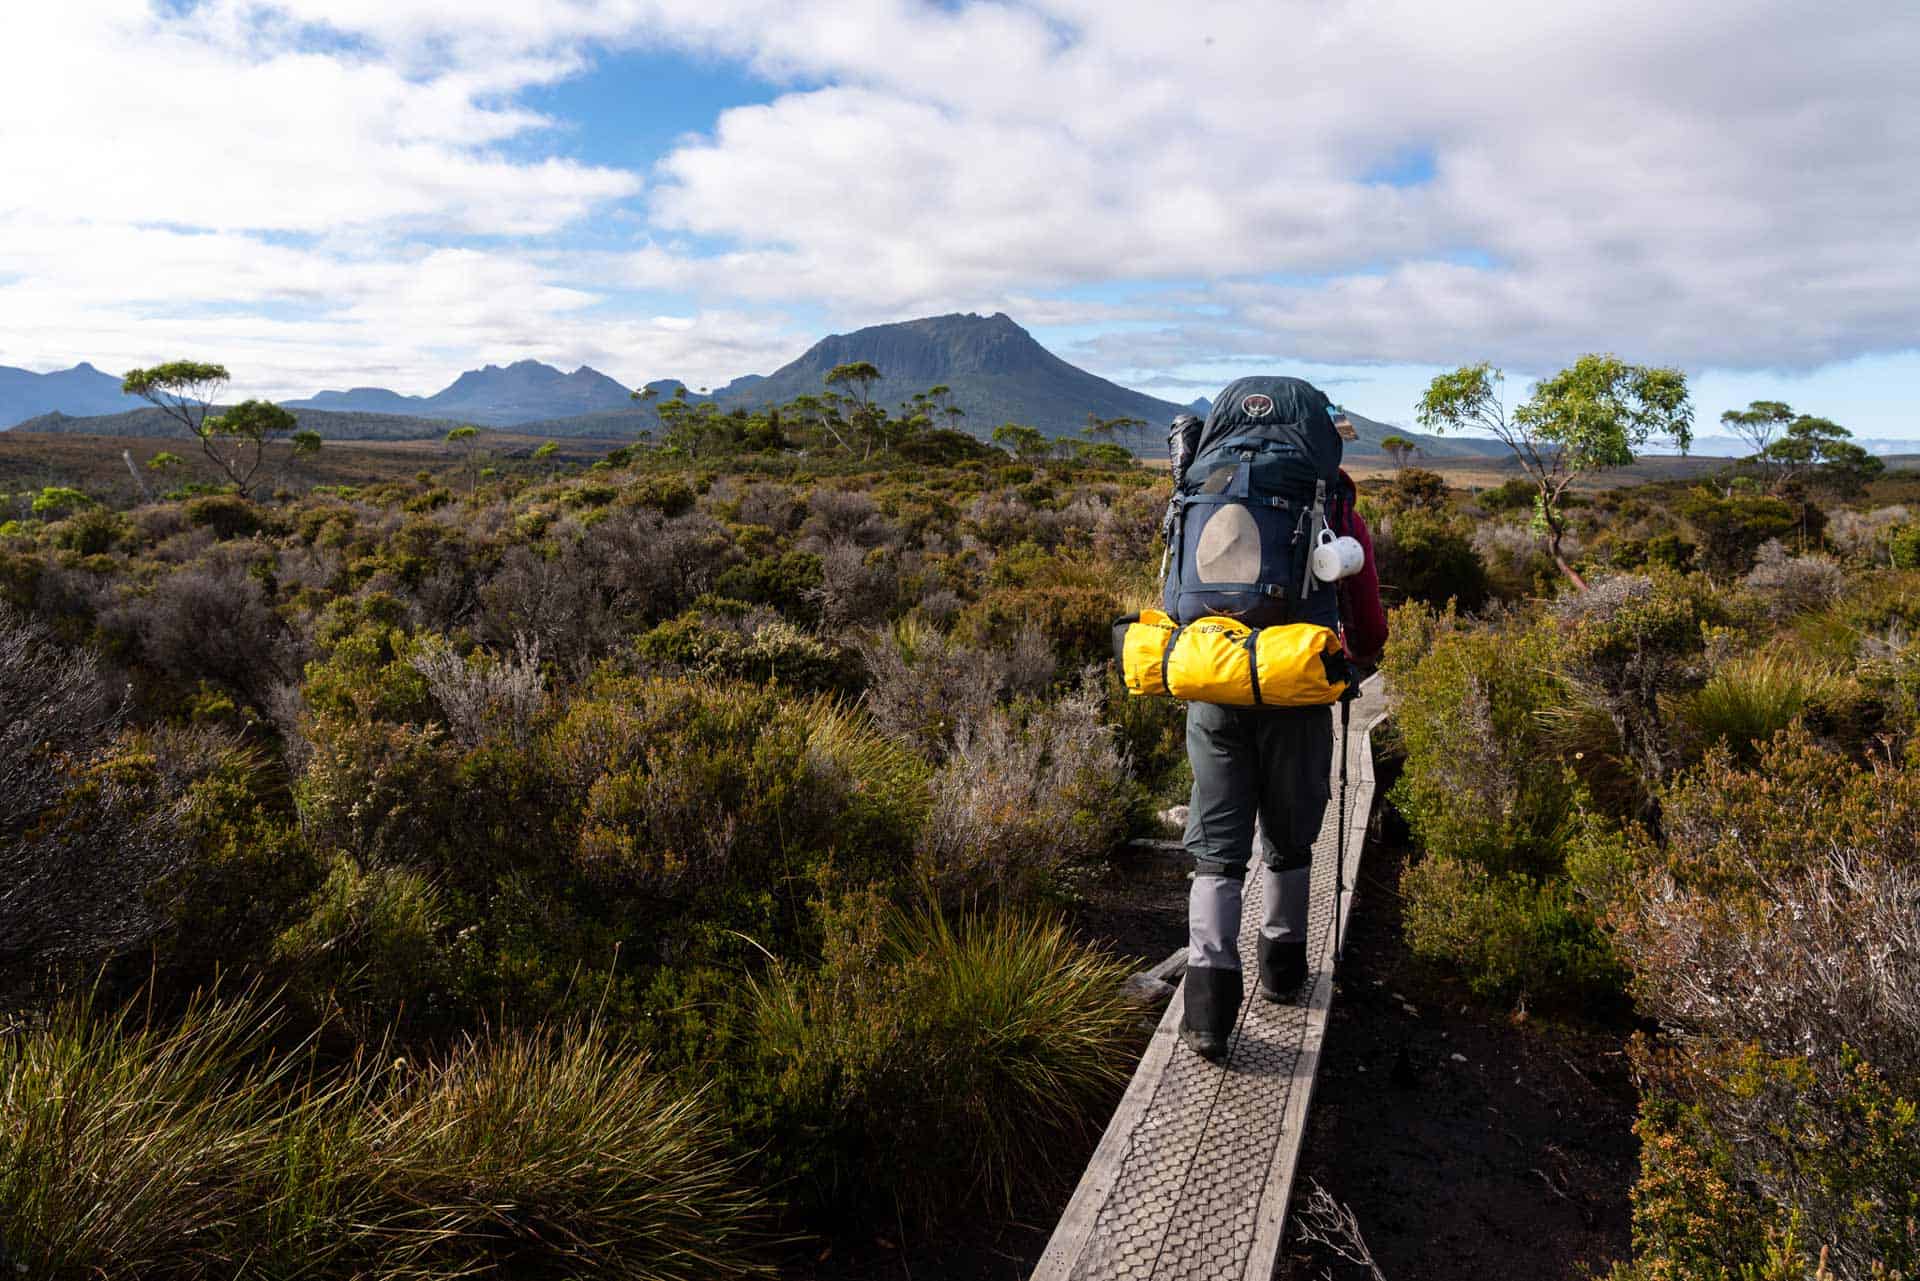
(1467,1142)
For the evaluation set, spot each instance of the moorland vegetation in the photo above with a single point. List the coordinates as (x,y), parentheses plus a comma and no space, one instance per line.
(526,869)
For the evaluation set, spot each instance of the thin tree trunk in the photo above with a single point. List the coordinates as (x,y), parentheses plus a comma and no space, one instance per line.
(146,495)
(1565,568)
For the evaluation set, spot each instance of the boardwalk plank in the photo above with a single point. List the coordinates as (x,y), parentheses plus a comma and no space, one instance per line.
(1192,1177)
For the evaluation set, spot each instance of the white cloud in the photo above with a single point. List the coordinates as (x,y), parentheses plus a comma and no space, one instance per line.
(333,191)
(1729,184)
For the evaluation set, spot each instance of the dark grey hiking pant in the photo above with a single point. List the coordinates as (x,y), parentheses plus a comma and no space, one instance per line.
(1254,770)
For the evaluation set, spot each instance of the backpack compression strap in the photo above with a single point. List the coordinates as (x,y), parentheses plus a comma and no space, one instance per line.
(1318,513)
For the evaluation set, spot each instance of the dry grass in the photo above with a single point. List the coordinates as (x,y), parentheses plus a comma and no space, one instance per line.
(952,1062)
(192,1149)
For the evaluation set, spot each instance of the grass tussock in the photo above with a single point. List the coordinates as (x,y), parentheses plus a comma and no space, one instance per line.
(1748,700)
(990,1047)
(195,1149)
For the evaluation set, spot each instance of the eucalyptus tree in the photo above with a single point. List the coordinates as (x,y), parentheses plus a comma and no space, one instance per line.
(235,441)
(1589,417)
(858,378)
(1029,444)
(1756,426)
(1399,449)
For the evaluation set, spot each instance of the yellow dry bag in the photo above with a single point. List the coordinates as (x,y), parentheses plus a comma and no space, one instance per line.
(1222,660)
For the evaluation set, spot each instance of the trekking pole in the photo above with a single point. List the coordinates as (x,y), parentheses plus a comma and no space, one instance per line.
(1340,855)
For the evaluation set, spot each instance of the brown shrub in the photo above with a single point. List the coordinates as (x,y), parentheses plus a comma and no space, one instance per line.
(1024,811)
(856,586)
(1784,909)
(839,515)
(602,585)
(1777,935)
(89,823)
(1790,585)
(1867,536)
(487,694)
(214,623)
(775,507)
(922,685)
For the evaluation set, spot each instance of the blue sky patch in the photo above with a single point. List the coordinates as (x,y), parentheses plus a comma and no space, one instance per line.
(1414,167)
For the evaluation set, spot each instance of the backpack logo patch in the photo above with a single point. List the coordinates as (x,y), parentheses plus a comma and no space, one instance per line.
(1256,405)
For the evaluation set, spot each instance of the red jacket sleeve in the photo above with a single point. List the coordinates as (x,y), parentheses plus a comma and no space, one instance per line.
(1362,616)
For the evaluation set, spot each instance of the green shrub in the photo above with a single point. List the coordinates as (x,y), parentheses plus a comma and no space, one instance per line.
(1514,937)
(1707,1204)
(1518,494)
(1492,790)
(942,1065)
(1732,528)
(386,793)
(1630,641)
(587,494)
(1482,783)
(1152,734)
(366,946)
(1416,488)
(227,515)
(1903,547)
(1690,1219)
(773,650)
(92,531)
(783,581)
(369,671)
(54,501)
(1078,621)
(246,872)
(944,447)
(668,495)
(1422,555)
(1670,551)
(683,784)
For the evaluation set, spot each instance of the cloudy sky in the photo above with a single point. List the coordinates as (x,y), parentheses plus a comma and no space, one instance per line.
(329,193)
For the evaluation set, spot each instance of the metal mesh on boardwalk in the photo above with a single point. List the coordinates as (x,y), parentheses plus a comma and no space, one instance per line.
(1192,1176)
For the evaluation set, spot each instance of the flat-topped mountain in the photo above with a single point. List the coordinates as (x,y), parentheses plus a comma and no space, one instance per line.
(80,390)
(496,395)
(998,372)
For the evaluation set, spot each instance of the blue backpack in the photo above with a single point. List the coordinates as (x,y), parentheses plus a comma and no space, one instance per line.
(1260,478)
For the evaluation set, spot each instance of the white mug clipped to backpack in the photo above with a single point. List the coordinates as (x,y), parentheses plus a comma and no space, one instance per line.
(1336,558)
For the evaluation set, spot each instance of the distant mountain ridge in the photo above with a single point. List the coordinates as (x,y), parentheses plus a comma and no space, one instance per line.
(80,390)
(496,396)
(996,370)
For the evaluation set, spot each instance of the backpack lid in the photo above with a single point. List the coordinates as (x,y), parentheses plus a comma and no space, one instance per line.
(1291,409)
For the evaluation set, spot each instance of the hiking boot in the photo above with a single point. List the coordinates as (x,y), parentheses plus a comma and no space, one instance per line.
(1283,968)
(1213,1002)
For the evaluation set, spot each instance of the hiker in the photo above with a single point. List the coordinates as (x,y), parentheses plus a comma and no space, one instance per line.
(1261,503)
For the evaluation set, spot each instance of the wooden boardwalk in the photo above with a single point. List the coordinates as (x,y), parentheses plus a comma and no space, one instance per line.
(1192,1177)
